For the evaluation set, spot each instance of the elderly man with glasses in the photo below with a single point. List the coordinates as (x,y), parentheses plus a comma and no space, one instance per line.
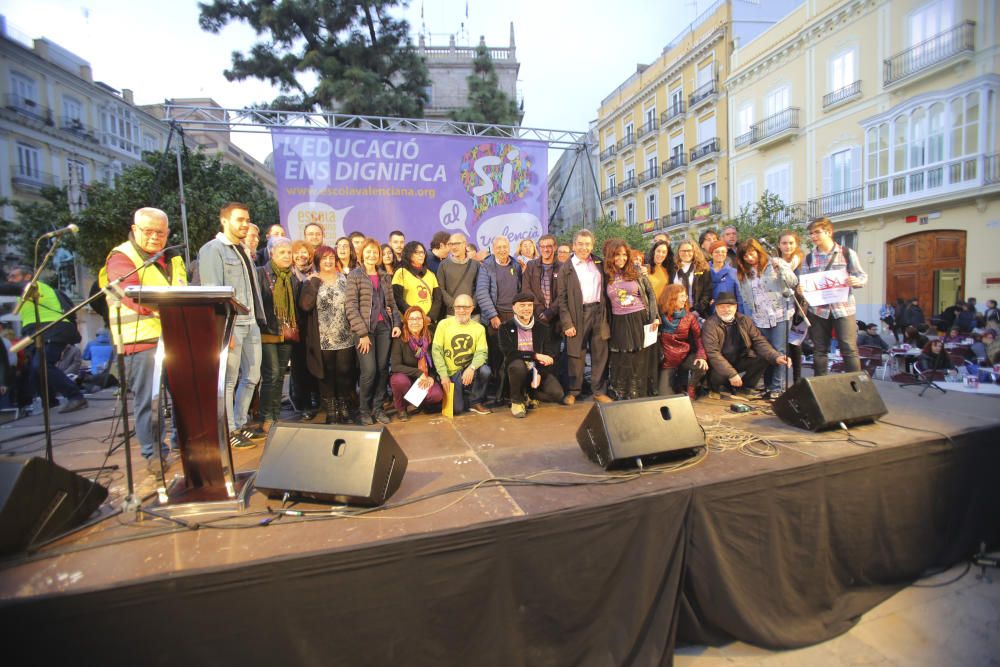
(136,328)
(459,352)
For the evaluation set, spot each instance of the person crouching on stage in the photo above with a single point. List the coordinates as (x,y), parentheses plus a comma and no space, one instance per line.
(529,353)
(460,352)
(411,361)
(140,325)
(680,343)
(737,352)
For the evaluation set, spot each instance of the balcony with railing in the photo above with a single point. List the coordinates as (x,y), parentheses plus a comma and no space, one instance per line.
(609,193)
(675,163)
(626,185)
(837,203)
(961,176)
(626,144)
(650,174)
(76,127)
(607,153)
(677,218)
(705,150)
(650,127)
(29,108)
(955,43)
(706,211)
(25,178)
(774,128)
(842,95)
(703,94)
(675,113)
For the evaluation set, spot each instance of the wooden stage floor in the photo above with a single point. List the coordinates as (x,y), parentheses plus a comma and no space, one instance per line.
(442,453)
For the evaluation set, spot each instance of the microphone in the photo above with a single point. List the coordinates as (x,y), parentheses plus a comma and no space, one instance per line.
(68,229)
(767,244)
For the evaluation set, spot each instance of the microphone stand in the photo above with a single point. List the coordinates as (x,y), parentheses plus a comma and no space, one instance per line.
(114,294)
(31,293)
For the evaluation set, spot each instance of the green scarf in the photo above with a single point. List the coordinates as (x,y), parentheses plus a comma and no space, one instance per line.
(282,293)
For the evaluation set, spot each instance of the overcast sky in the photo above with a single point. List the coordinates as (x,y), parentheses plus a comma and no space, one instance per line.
(572,53)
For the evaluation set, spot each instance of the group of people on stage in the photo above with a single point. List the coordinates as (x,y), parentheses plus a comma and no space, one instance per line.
(364,325)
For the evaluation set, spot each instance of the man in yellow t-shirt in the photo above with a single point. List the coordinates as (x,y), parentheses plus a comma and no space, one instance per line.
(459,352)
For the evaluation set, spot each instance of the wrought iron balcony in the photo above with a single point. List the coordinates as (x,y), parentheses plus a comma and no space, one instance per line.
(76,127)
(705,149)
(840,96)
(626,185)
(706,211)
(676,162)
(650,127)
(941,48)
(837,203)
(628,143)
(649,175)
(608,153)
(703,94)
(29,107)
(678,218)
(674,114)
(771,128)
(609,193)
(30,179)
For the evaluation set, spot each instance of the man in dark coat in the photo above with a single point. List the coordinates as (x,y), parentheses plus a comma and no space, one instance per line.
(529,355)
(583,306)
(737,352)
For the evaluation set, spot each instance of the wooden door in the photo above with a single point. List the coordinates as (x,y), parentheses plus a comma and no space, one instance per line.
(913,262)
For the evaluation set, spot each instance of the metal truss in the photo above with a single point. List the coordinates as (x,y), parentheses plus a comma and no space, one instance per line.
(211,118)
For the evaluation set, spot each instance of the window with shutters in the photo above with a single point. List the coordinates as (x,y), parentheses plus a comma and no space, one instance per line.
(651,208)
(778,181)
(630,213)
(746,193)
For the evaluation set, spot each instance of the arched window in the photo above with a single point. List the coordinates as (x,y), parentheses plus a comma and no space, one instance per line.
(918,135)
(935,134)
(971,123)
(957,125)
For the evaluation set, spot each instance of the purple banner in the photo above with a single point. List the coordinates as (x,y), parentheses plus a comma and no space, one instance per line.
(375,182)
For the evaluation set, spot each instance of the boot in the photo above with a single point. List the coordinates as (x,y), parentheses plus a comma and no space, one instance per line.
(343,411)
(330,405)
(692,391)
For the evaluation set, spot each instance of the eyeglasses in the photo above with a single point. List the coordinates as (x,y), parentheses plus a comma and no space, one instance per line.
(152,233)
(419,252)
(685,250)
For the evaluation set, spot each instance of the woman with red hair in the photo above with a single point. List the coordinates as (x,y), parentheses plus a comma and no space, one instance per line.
(411,362)
(680,344)
(632,367)
(766,286)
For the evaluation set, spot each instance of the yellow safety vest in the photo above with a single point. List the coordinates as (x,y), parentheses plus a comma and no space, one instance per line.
(137,328)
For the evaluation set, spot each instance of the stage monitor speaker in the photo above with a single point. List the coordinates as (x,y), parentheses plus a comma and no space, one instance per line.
(344,464)
(40,500)
(817,403)
(614,435)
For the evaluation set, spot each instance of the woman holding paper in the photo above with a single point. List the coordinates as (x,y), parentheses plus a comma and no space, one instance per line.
(766,286)
(632,363)
(411,363)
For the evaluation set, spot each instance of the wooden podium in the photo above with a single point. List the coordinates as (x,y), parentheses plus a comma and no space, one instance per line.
(197,324)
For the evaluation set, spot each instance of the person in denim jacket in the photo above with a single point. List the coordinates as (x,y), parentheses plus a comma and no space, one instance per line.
(224,261)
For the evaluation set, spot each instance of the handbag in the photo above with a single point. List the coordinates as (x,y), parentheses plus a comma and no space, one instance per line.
(289,333)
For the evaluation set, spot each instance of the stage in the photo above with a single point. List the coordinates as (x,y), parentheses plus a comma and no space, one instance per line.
(505,545)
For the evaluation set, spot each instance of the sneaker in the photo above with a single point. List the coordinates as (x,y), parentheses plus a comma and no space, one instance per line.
(153,467)
(239,440)
(532,403)
(254,432)
(603,398)
(518,410)
(73,405)
(480,409)
(403,415)
(364,420)
(382,418)
(569,399)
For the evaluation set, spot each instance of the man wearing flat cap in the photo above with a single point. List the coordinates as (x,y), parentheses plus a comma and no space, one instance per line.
(529,352)
(737,352)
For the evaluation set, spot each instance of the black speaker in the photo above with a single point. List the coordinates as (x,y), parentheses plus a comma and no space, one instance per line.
(615,434)
(818,403)
(40,500)
(343,464)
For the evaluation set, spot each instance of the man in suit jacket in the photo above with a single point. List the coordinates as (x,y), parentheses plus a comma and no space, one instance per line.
(541,280)
(583,316)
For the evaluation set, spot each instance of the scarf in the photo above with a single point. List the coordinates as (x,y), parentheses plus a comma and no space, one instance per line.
(282,294)
(669,323)
(419,347)
(527,327)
